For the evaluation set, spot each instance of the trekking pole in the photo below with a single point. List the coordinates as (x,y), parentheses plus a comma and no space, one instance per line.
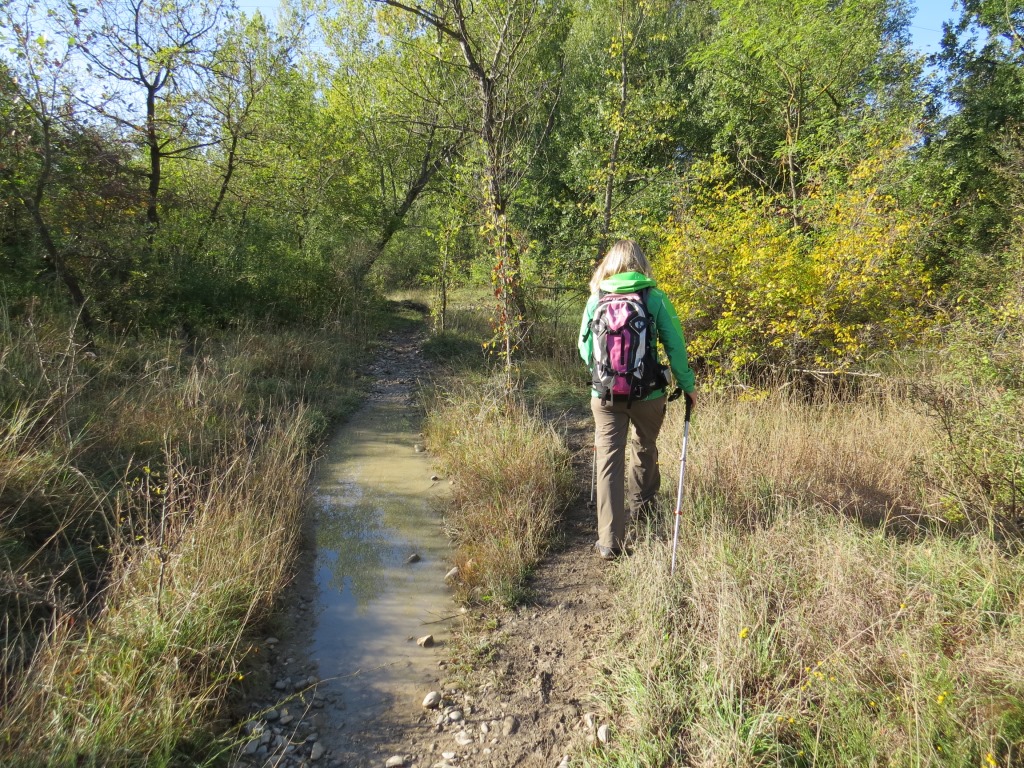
(679,491)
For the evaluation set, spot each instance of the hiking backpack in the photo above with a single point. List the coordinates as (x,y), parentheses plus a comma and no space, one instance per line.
(624,362)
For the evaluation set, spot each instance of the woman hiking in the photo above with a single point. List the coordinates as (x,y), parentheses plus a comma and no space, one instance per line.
(625,318)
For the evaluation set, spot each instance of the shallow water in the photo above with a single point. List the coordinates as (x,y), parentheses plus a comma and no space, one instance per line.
(375,506)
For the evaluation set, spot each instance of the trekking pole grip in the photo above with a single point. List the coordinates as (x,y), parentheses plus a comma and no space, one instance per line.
(689,407)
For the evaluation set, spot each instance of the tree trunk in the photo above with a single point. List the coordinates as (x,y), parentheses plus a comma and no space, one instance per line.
(222,193)
(60,267)
(507,264)
(228,173)
(53,254)
(152,214)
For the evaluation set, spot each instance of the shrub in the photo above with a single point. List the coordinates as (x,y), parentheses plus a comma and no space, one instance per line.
(977,392)
(764,283)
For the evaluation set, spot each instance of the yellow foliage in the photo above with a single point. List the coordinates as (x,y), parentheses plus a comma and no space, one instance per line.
(760,281)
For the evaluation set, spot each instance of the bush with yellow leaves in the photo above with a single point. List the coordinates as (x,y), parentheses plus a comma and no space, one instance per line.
(766,282)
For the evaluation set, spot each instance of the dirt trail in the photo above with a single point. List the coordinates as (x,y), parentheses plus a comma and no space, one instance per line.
(515,692)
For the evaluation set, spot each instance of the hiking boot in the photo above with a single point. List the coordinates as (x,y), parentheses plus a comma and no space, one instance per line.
(605,553)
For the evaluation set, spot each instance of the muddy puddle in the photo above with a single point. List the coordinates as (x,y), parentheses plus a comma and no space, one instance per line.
(376,507)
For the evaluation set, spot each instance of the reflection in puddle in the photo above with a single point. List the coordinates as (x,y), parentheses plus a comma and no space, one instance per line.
(375,506)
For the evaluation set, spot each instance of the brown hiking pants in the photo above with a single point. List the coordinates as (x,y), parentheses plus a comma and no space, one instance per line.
(611,425)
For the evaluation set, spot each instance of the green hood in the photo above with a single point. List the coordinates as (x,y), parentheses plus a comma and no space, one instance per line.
(627,282)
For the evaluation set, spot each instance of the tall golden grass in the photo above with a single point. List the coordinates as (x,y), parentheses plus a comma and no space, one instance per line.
(513,479)
(822,612)
(199,556)
(150,503)
(861,459)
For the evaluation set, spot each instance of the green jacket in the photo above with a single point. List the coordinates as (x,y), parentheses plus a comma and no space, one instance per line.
(666,327)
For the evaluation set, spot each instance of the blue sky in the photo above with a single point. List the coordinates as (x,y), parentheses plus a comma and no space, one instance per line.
(926,26)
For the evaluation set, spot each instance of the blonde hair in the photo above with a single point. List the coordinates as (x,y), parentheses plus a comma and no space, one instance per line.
(623,256)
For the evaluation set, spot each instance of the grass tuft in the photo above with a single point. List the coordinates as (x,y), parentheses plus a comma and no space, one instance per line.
(128,472)
(512,480)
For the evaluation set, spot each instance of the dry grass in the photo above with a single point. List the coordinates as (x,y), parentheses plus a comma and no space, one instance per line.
(513,479)
(197,557)
(149,505)
(792,634)
(842,597)
(860,459)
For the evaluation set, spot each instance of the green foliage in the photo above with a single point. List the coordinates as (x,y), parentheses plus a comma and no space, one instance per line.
(983,59)
(778,95)
(978,397)
(769,151)
(626,125)
(255,204)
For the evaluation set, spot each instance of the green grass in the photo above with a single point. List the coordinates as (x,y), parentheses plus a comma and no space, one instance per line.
(455,349)
(552,374)
(459,347)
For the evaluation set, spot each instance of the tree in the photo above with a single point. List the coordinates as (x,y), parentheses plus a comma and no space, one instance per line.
(785,80)
(245,65)
(502,44)
(983,54)
(626,127)
(404,106)
(42,104)
(152,48)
